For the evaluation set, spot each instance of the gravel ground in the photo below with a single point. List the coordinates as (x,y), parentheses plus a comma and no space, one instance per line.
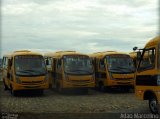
(54,103)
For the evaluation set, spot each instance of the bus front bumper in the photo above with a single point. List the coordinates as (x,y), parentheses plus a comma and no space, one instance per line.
(67,84)
(116,83)
(30,87)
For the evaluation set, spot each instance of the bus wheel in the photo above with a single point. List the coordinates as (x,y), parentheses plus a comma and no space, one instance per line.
(40,92)
(13,92)
(102,87)
(50,86)
(58,87)
(153,105)
(125,89)
(5,86)
(84,91)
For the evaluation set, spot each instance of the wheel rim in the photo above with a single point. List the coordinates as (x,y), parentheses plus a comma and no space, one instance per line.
(153,105)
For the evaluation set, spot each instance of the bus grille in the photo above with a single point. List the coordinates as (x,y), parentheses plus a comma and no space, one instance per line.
(80,81)
(31,82)
(124,78)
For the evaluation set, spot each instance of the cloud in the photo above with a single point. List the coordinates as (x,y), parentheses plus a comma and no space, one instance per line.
(85,25)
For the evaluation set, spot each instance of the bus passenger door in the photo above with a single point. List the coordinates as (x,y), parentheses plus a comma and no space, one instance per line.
(5,71)
(146,69)
(59,75)
(48,62)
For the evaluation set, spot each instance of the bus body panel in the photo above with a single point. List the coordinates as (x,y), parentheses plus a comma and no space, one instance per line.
(147,85)
(63,79)
(26,81)
(140,91)
(78,81)
(147,74)
(111,79)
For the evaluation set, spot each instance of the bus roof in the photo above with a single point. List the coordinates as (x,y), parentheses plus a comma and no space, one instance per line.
(21,52)
(153,42)
(105,53)
(133,54)
(62,53)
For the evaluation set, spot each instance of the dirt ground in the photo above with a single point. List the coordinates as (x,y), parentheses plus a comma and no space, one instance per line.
(52,104)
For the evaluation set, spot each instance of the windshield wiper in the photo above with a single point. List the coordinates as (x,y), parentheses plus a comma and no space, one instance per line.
(127,68)
(79,70)
(29,71)
(121,68)
(25,71)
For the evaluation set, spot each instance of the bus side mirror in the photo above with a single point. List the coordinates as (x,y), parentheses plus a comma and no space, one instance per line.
(135,48)
(138,55)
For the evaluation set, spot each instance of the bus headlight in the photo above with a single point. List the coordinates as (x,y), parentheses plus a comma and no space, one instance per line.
(158,80)
(110,74)
(93,77)
(18,80)
(46,78)
(66,77)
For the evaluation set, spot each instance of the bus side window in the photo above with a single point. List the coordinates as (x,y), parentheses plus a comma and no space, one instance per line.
(96,64)
(148,60)
(10,63)
(54,64)
(159,56)
(152,56)
(101,64)
(49,63)
(59,64)
(6,63)
(3,62)
(46,62)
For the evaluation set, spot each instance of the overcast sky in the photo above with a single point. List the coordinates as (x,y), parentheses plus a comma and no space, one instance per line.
(83,25)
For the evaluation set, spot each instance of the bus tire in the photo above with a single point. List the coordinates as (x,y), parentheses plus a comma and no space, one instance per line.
(50,86)
(85,91)
(125,89)
(41,92)
(59,89)
(153,105)
(101,87)
(13,92)
(5,86)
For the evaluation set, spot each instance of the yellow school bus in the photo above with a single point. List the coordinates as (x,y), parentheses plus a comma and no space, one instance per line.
(148,74)
(113,69)
(24,70)
(70,70)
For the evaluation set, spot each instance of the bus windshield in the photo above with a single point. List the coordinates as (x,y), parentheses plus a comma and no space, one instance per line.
(78,64)
(120,64)
(30,65)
